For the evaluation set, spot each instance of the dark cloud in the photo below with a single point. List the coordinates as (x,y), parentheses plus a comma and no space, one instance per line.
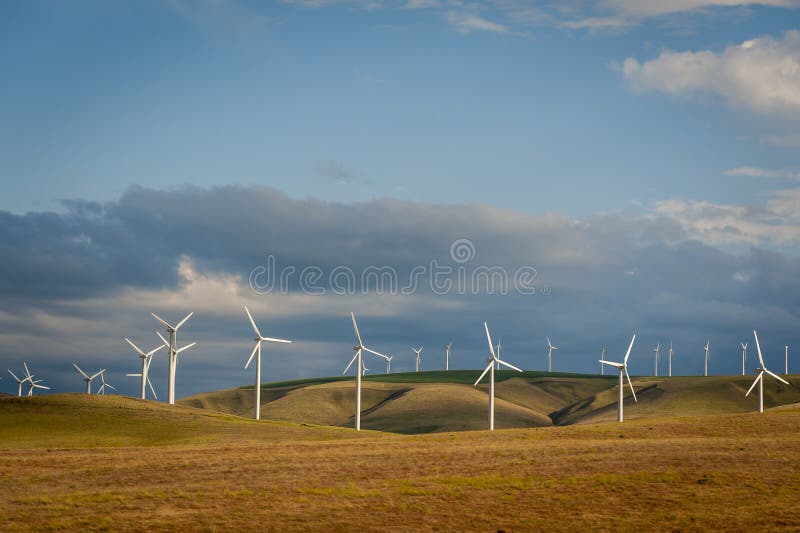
(75,283)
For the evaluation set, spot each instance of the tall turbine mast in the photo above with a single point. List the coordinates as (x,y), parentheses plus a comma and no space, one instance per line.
(705,372)
(655,351)
(622,368)
(744,354)
(670,358)
(493,360)
(760,377)
(257,350)
(359,348)
(173,351)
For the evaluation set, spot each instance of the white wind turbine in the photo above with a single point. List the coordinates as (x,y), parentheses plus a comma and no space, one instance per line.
(417,351)
(103,384)
(447,355)
(623,368)
(259,338)
(706,359)
(147,358)
(87,378)
(744,355)
(760,377)
(364,368)
(173,352)
(389,364)
(358,357)
(19,382)
(655,351)
(32,384)
(603,356)
(490,368)
(670,358)
(786,355)
(498,349)
(550,349)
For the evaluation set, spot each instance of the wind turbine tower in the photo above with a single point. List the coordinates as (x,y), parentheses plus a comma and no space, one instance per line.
(147,359)
(550,349)
(603,356)
(670,358)
(655,351)
(493,360)
(760,377)
(417,351)
(359,348)
(744,354)
(447,355)
(705,371)
(259,338)
(173,351)
(623,368)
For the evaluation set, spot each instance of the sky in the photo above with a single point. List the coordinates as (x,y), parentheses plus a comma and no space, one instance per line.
(582,170)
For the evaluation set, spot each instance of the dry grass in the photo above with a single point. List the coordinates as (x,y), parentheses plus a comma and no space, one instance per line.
(733,472)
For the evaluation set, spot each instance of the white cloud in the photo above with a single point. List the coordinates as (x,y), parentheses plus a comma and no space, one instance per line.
(651,8)
(761,74)
(755,172)
(467,23)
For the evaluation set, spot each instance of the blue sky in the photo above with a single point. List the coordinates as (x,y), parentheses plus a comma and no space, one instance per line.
(654,129)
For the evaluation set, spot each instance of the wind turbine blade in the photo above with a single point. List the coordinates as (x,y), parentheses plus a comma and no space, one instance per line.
(776,376)
(134,375)
(630,346)
(270,339)
(40,386)
(631,385)
(27,371)
(252,322)
(758,346)
(81,371)
(165,341)
(489,338)
(151,388)
(612,363)
(252,354)
(164,322)
(152,352)
(185,348)
(355,327)
(134,346)
(549,345)
(509,365)
(182,322)
(375,353)
(15,376)
(491,364)
(755,382)
(350,363)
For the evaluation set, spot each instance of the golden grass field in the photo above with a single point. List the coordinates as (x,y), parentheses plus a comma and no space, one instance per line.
(73,462)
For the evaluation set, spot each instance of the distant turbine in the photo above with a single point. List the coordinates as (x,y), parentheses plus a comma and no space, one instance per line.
(670,358)
(173,352)
(706,359)
(19,382)
(417,351)
(623,367)
(760,377)
(364,368)
(655,351)
(389,364)
(744,354)
(87,378)
(447,355)
(550,349)
(357,357)
(492,361)
(603,356)
(103,384)
(32,384)
(147,359)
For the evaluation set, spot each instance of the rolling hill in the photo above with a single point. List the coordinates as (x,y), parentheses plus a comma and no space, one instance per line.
(429,402)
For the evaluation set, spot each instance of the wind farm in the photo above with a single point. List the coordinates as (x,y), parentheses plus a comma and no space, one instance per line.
(559,243)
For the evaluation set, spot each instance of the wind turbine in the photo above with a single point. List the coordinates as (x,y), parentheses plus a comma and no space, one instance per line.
(760,377)
(32,384)
(602,356)
(389,364)
(447,355)
(364,369)
(550,349)
(786,355)
(670,358)
(417,351)
(358,349)
(19,382)
(623,367)
(87,378)
(173,351)
(146,358)
(744,354)
(259,338)
(706,359)
(490,368)
(498,348)
(103,384)
(655,351)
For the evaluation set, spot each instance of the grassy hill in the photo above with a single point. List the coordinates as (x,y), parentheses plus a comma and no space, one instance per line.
(428,402)
(84,421)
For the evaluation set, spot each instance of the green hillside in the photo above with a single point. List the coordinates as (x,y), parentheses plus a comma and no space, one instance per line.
(427,402)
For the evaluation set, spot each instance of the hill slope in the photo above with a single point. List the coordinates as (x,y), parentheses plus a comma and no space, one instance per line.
(446,401)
